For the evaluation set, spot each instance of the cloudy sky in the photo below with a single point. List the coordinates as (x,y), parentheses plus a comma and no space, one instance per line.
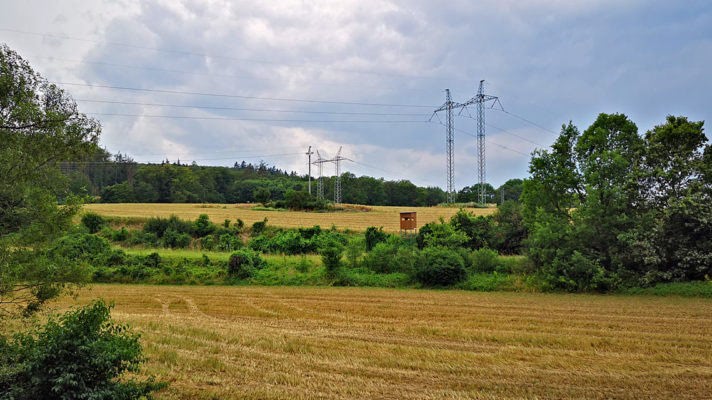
(220,81)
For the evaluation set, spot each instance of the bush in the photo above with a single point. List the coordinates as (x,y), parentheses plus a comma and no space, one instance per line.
(259,227)
(374,236)
(440,266)
(228,242)
(485,260)
(203,227)
(175,239)
(81,247)
(93,221)
(331,250)
(159,226)
(391,256)
(243,263)
(81,355)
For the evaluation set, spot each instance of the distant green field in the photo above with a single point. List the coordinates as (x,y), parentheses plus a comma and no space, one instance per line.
(213,255)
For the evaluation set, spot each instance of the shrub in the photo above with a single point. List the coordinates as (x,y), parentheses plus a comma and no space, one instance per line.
(80,355)
(228,242)
(243,263)
(331,250)
(93,221)
(485,260)
(81,247)
(203,227)
(440,266)
(174,239)
(374,236)
(391,256)
(259,227)
(159,226)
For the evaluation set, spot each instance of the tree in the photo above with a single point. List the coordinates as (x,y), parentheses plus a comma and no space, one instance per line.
(510,190)
(78,356)
(608,206)
(40,126)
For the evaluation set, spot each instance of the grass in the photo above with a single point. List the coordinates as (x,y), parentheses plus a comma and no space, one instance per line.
(684,289)
(345,343)
(386,216)
(179,254)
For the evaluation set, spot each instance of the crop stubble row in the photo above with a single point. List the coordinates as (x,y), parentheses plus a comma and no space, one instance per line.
(302,343)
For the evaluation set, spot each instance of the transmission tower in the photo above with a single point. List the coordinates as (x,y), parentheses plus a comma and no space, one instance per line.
(320,181)
(480,99)
(449,143)
(309,164)
(337,184)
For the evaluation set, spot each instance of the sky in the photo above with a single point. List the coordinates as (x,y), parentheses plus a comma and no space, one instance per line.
(222,81)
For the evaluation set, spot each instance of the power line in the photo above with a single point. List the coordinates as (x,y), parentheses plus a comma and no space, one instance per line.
(529,122)
(247,109)
(255,119)
(240,96)
(205,55)
(178,156)
(505,131)
(489,139)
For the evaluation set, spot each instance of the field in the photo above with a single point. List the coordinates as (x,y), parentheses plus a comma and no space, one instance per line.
(354,218)
(344,343)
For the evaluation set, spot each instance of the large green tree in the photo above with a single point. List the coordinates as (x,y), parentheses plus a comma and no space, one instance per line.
(608,206)
(40,126)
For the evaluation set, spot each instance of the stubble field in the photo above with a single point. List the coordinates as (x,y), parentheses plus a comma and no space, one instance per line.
(356,218)
(345,343)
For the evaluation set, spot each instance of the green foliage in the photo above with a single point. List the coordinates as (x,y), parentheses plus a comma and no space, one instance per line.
(40,126)
(373,236)
(485,260)
(509,230)
(81,355)
(478,229)
(682,289)
(440,266)
(366,277)
(442,235)
(262,195)
(202,226)
(243,264)
(81,247)
(331,249)
(354,250)
(391,256)
(259,227)
(93,221)
(607,206)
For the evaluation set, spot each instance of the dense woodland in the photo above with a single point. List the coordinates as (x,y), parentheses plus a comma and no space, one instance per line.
(118,179)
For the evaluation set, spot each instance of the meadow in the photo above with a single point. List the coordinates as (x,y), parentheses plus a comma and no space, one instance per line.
(356,218)
(344,343)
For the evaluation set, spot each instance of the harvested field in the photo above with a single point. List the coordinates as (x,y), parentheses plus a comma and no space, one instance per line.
(344,343)
(354,218)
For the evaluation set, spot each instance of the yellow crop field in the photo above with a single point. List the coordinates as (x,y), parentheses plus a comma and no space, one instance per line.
(355,343)
(356,218)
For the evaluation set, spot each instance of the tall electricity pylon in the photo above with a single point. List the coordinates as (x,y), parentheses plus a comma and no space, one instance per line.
(480,99)
(309,164)
(337,184)
(449,143)
(320,181)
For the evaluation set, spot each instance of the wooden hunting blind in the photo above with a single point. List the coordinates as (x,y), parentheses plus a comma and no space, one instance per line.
(408,221)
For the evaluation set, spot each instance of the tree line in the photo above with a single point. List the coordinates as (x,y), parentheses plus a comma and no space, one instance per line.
(118,179)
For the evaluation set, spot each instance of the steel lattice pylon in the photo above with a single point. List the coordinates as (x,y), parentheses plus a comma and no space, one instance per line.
(449,144)
(480,99)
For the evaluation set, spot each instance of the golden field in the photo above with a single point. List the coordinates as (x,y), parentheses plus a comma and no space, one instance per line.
(353,218)
(354,343)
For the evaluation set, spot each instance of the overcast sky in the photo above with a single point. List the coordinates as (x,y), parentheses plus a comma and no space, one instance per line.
(365,75)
